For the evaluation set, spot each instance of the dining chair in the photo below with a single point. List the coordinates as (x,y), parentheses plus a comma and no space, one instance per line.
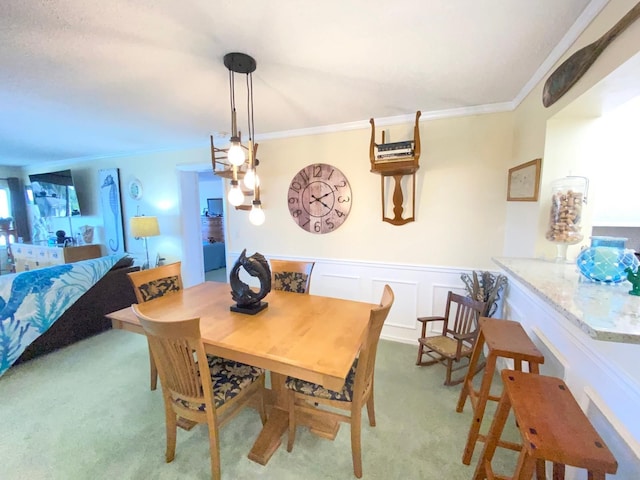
(456,339)
(201,389)
(153,283)
(156,282)
(307,401)
(291,275)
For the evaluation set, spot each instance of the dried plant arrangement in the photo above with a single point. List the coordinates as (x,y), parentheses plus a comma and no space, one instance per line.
(485,286)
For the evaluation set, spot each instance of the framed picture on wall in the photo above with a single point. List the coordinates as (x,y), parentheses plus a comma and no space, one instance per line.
(524,182)
(109,184)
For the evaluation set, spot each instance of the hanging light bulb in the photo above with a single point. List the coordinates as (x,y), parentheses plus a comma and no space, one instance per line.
(251,179)
(235,153)
(235,195)
(256,216)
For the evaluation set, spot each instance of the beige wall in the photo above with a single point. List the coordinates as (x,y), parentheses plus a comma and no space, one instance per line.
(459,197)
(462,217)
(159,177)
(525,223)
(6,172)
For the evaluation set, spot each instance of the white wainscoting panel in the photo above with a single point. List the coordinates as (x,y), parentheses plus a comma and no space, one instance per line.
(335,285)
(555,364)
(403,312)
(420,290)
(616,436)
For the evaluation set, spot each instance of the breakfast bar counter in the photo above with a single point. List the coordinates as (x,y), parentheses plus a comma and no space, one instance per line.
(589,334)
(603,311)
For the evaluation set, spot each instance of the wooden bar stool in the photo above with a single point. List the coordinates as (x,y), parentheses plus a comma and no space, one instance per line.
(552,426)
(504,338)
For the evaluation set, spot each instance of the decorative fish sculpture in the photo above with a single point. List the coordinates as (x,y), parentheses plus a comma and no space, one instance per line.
(256,266)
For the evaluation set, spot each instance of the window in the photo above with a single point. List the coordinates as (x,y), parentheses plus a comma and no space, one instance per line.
(5,211)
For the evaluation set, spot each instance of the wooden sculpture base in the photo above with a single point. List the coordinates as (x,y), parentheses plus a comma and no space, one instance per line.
(257,308)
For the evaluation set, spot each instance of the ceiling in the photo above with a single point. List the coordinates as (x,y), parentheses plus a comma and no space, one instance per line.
(85,79)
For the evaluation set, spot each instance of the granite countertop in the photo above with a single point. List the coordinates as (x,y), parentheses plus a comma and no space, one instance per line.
(602,311)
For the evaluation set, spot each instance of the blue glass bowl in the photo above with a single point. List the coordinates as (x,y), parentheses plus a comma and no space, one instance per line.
(606,264)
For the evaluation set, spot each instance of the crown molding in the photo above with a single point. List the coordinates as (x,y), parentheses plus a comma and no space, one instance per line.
(387,121)
(584,20)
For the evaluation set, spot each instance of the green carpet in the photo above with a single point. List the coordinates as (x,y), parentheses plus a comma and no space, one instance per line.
(86,412)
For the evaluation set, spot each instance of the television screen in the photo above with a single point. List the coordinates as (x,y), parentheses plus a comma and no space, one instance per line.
(54,193)
(214,207)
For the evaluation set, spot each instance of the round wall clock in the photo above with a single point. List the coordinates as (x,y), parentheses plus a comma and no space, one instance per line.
(319,198)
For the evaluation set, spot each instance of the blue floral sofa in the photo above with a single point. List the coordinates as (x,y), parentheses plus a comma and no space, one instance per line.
(46,309)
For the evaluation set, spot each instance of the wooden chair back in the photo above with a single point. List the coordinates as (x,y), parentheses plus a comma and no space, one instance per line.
(291,275)
(306,398)
(173,345)
(461,315)
(367,357)
(460,327)
(156,282)
(152,283)
(187,383)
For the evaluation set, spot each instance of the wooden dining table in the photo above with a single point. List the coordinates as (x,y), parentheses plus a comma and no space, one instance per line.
(309,337)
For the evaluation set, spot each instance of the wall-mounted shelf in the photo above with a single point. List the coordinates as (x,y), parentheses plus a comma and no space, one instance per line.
(396,160)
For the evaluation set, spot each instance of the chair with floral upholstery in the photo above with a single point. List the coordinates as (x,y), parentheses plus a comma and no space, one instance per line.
(156,282)
(290,275)
(196,387)
(306,399)
(152,283)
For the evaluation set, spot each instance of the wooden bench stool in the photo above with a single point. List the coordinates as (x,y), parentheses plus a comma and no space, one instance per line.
(504,338)
(552,426)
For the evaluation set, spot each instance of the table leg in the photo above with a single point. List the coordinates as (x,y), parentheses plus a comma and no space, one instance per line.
(277,424)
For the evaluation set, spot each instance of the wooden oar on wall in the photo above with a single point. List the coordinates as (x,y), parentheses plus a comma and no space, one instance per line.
(573,68)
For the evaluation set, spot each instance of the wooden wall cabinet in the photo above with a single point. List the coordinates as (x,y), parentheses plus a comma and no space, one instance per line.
(212,227)
(31,257)
(396,163)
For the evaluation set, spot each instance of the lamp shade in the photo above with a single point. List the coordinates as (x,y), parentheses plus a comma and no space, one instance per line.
(144,226)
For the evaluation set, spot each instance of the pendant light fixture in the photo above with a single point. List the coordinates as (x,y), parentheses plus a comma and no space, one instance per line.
(237,161)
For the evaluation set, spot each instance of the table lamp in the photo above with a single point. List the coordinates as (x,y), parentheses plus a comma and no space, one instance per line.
(144,227)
